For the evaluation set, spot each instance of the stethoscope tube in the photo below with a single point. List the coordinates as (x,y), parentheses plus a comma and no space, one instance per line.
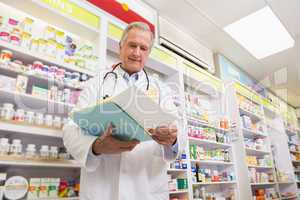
(116,78)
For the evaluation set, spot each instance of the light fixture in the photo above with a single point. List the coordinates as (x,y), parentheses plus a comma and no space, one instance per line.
(261,33)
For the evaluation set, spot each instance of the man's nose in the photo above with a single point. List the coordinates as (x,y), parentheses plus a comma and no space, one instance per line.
(137,51)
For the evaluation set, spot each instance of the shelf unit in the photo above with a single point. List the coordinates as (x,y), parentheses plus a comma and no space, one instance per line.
(251,140)
(22,162)
(40,135)
(29,56)
(171,69)
(210,101)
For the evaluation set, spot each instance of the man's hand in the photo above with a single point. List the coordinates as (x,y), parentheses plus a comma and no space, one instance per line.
(165,135)
(107,144)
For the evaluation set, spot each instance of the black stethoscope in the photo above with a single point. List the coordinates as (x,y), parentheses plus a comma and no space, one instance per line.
(115,75)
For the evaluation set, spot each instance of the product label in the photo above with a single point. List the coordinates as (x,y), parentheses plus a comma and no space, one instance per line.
(71,9)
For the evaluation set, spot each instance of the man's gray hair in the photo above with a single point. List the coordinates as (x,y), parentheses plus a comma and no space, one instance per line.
(138,25)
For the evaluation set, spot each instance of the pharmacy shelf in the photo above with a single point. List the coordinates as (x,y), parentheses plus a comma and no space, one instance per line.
(256,152)
(9,127)
(216,183)
(290,133)
(297,162)
(28,56)
(156,65)
(178,192)
(28,102)
(262,184)
(208,143)
(14,161)
(176,170)
(289,197)
(212,162)
(58,198)
(253,116)
(205,124)
(292,143)
(295,152)
(286,182)
(253,134)
(36,78)
(260,167)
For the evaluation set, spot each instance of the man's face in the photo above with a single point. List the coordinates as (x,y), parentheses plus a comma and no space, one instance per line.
(135,50)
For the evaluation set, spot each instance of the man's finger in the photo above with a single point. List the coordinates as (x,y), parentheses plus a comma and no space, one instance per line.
(165,130)
(125,144)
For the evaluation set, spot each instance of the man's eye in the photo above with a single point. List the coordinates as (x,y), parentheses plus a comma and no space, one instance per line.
(144,48)
(133,45)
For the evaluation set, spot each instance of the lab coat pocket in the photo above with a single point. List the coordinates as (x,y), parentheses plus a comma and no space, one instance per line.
(158,177)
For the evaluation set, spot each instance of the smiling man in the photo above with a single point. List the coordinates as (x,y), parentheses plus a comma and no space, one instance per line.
(119,170)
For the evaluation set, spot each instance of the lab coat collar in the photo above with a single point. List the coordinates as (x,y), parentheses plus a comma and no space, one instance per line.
(122,73)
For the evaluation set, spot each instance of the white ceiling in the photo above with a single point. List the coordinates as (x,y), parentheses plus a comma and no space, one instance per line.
(204,20)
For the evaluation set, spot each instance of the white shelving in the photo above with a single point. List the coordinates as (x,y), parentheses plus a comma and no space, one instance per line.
(216,183)
(212,162)
(179,192)
(63,198)
(256,152)
(205,124)
(6,161)
(208,143)
(251,134)
(27,129)
(29,101)
(31,56)
(290,133)
(260,167)
(253,116)
(263,184)
(177,170)
(290,197)
(288,182)
(37,78)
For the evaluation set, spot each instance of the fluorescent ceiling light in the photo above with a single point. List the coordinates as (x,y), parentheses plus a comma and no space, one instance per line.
(261,33)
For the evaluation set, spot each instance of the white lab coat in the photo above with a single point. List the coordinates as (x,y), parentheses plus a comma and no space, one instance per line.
(136,175)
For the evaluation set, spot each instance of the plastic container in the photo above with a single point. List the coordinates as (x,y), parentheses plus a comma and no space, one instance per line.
(29,117)
(44,152)
(66,95)
(20,115)
(4,34)
(31,151)
(49,120)
(60,73)
(16,148)
(53,155)
(4,146)
(51,48)
(37,66)
(39,119)
(26,24)
(57,122)
(16,187)
(6,56)
(15,39)
(42,46)
(34,45)
(7,111)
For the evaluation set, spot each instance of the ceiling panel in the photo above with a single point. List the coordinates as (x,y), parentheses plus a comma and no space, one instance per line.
(204,19)
(184,15)
(226,12)
(288,12)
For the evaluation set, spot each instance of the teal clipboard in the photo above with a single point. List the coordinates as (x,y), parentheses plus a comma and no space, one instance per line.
(94,120)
